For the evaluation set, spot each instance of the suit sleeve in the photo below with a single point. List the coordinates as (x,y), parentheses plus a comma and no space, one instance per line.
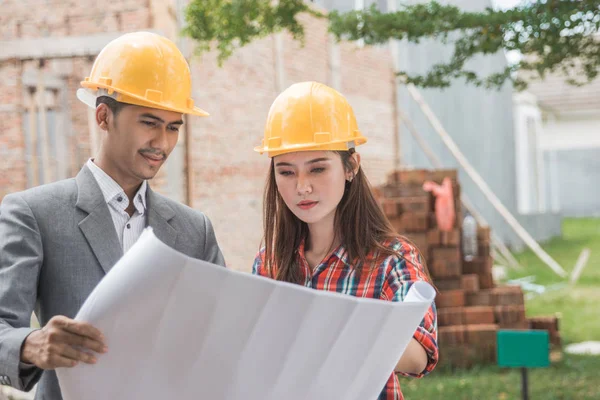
(212,252)
(21,257)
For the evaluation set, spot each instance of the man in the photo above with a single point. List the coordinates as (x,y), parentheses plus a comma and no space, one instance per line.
(57,241)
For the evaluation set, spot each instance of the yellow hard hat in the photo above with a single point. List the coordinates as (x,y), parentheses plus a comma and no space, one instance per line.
(144,69)
(310,116)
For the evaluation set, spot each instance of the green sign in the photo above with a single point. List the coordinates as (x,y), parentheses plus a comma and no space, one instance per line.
(523,349)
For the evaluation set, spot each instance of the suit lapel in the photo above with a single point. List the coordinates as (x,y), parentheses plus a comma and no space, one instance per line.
(97,227)
(159,215)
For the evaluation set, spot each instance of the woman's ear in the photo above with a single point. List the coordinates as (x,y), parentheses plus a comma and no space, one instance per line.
(356,163)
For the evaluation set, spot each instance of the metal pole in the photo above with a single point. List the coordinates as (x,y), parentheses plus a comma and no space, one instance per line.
(524,384)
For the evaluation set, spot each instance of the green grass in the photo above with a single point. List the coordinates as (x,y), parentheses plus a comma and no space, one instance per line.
(574,378)
(577,235)
(578,307)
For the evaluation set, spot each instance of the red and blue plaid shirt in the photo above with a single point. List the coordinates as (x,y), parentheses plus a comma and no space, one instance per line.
(389,279)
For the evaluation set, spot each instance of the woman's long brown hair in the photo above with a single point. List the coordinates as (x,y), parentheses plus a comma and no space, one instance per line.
(359,221)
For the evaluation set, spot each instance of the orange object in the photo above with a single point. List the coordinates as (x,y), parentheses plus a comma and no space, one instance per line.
(143,69)
(445,214)
(310,116)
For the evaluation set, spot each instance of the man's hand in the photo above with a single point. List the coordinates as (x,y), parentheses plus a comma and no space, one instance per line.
(63,342)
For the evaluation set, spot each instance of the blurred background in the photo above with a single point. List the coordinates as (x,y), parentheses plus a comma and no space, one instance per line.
(537,150)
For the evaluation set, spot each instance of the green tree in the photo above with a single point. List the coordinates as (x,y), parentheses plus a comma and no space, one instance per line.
(551,35)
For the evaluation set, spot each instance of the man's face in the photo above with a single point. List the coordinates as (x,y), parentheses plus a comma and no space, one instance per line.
(139,140)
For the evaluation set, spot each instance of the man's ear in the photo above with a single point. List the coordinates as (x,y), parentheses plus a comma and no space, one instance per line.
(103,114)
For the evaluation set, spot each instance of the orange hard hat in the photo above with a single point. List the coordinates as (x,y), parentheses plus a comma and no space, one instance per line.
(310,116)
(144,69)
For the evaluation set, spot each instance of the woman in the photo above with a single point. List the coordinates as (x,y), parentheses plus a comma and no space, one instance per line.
(323,227)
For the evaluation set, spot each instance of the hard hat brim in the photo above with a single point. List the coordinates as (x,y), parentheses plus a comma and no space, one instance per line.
(86,96)
(340,145)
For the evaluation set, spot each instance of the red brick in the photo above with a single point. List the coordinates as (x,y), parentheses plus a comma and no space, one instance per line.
(395,190)
(410,222)
(451,335)
(507,315)
(483,234)
(507,296)
(450,316)
(481,298)
(477,265)
(452,298)
(486,280)
(451,238)
(442,269)
(433,237)
(438,175)
(467,355)
(518,326)
(420,204)
(390,208)
(409,176)
(481,334)
(445,253)
(549,323)
(432,221)
(419,240)
(470,283)
(448,284)
(479,315)
(457,356)
(483,249)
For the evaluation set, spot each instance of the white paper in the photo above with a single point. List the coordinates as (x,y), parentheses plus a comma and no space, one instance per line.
(181,328)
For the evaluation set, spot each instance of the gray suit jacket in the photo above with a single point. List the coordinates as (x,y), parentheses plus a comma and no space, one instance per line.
(57,241)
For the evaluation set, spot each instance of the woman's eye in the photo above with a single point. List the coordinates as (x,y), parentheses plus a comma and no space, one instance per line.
(286,173)
(318,170)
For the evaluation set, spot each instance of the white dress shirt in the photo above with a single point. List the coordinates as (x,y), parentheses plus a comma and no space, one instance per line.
(128,228)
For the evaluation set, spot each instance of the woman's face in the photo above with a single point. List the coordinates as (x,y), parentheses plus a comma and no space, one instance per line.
(311,183)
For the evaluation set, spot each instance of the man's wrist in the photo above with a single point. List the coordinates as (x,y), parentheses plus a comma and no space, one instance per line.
(26,356)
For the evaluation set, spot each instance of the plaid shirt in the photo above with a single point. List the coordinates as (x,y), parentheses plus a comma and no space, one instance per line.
(389,279)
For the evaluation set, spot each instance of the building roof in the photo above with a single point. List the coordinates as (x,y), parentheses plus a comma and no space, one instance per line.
(555,95)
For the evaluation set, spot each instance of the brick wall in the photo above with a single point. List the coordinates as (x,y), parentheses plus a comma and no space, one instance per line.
(227,176)
(53,19)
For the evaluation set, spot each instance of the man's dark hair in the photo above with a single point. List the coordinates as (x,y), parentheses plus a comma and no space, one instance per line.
(112,104)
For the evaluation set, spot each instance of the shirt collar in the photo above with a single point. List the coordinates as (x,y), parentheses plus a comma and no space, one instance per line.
(340,253)
(112,190)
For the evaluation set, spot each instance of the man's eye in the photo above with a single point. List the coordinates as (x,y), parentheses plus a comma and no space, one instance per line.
(149,123)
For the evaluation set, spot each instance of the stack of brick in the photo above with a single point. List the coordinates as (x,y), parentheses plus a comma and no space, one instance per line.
(549,324)
(471,309)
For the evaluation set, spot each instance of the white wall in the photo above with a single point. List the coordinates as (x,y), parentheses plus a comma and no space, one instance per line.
(529,160)
(572,132)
